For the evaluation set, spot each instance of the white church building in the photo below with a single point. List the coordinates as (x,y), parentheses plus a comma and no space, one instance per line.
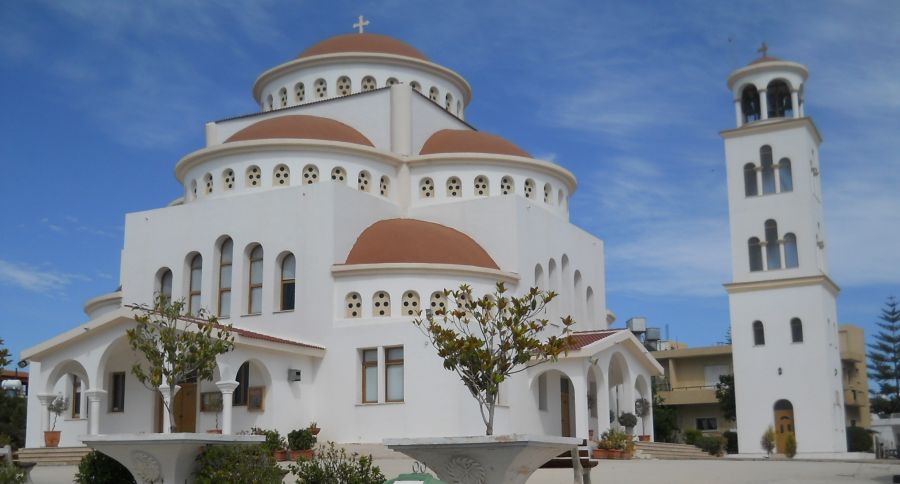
(318,227)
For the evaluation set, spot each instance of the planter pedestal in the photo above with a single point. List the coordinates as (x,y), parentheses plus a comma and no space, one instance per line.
(161,458)
(496,459)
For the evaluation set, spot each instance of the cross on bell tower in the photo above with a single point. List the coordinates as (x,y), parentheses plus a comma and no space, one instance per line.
(763,49)
(361,24)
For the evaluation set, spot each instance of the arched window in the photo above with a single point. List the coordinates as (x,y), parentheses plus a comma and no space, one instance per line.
(384,186)
(750,104)
(269,103)
(338,174)
(784,175)
(253,176)
(194,284)
(778,96)
(507,185)
(796,330)
(343,86)
(755,250)
(410,303)
(416,86)
(768,171)
(759,334)
(381,304)
(459,108)
(321,89)
(299,92)
(434,94)
(225,259)
(773,251)
(438,301)
(426,188)
(363,180)
(288,283)
(448,101)
(529,188)
(548,193)
(560,198)
(239,397)
(193,189)
(791,258)
(589,305)
(750,187)
(482,186)
(353,303)
(164,285)
(254,292)
(368,83)
(207,183)
(281,176)
(391,81)
(310,174)
(454,187)
(539,281)
(228,179)
(282,96)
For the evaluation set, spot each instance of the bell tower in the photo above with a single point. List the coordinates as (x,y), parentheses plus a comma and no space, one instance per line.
(782,301)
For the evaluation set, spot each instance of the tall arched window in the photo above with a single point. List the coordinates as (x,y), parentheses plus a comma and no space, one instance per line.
(750,187)
(539,281)
(164,285)
(755,250)
(784,175)
(750,104)
(778,96)
(589,305)
(768,171)
(796,330)
(791,258)
(195,284)
(773,251)
(254,288)
(759,334)
(343,86)
(288,286)
(269,103)
(225,259)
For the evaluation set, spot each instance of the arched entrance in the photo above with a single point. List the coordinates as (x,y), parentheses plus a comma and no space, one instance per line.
(784,424)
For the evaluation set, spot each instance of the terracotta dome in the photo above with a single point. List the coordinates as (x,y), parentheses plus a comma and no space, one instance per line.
(375,43)
(468,141)
(416,241)
(301,126)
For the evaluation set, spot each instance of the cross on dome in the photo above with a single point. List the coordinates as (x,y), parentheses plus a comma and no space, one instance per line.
(362,23)
(763,49)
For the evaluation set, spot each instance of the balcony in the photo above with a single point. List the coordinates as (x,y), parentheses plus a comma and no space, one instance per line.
(850,355)
(687,395)
(859,399)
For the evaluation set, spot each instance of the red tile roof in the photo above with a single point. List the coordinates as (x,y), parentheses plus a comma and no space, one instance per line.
(580,339)
(264,337)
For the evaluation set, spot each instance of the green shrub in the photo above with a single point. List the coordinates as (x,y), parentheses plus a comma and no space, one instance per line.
(731,441)
(12,419)
(628,420)
(251,464)
(790,446)
(767,441)
(711,444)
(11,474)
(332,465)
(614,440)
(858,440)
(99,468)
(691,436)
(274,440)
(301,439)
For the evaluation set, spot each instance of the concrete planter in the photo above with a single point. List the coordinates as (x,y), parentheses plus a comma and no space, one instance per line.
(51,438)
(161,458)
(497,459)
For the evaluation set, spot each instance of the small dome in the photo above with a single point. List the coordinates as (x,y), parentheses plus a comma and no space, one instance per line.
(468,141)
(301,126)
(374,43)
(416,241)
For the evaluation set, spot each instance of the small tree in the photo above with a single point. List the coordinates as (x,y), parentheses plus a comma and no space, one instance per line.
(790,446)
(642,409)
(488,339)
(768,440)
(59,405)
(177,346)
(884,361)
(665,420)
(725,395)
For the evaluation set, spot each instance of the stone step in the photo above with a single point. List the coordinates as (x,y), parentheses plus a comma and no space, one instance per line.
(668,451)
(52,456)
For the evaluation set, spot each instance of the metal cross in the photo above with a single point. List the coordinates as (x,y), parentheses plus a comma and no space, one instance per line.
(763,49)
(362,23)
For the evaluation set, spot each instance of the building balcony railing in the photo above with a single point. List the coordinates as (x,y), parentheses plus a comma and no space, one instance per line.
(855,398)
(687,394)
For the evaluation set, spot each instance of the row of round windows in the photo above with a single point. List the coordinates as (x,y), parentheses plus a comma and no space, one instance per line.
(344,87)
(410,304)
(481,186)
(281,177)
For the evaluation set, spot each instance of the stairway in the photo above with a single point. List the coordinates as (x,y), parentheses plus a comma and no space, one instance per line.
(58,456)
(663,450)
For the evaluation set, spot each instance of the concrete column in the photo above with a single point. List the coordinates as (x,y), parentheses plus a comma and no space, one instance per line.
(759,180)
(602,405)
(765,255)
(579,393)
(167,401)
(795,103)
(738,114)
(800,103)
(94,396)
(777,173)
(227,388)
(401,119)
(45,399)
(763,105)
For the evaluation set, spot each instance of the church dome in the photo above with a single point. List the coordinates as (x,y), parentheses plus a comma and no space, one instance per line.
(468,141)
(764,59)
(301,126)
(416,241)
(370,43)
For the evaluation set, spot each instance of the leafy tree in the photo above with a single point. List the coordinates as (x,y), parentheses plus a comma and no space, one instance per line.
(665,420)
(99,468)
(12,409)
(488,339)
(767,441)
(332,465)
(4,355)
(177,346)
(884,360)
(725,395)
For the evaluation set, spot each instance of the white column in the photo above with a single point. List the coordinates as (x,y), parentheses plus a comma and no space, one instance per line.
(738,114)
(763,105)
(167,401)
(94,396)
(765,255)
(45,399)
(227,388)
(801,104)
(795,103)
(579,387)
(602,405)
(777,173)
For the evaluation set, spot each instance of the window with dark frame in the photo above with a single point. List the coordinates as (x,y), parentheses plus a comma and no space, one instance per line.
(225,279)
(393,374)
(370,376)
(117,392)
(759,334)
(254,292)
(796,330)
(707,423)
(239,397)
(76,396)
(288,286)
(195,284)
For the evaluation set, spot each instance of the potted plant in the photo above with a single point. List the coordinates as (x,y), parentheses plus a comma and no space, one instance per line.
(768,441)
(274,443)
(642,409)
(59,405)
(618,443)
(300,443)
(628,420)
(314,428)
(602,450)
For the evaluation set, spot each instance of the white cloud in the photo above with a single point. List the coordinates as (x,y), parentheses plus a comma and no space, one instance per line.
(34,279)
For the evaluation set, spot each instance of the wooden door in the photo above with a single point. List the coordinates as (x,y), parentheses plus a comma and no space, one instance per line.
(784,426)
(185,406)
(565,417)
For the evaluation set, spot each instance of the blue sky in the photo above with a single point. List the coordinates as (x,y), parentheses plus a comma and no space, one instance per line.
(100,99)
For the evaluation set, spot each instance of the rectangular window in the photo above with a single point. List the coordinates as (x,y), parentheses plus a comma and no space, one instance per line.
(708,423)
(542,392)
(393,374)
(239,397)
(76,396)
(713,372)
(370,376)
(117,392)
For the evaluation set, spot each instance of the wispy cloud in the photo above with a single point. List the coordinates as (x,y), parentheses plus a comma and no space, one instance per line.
(36,279)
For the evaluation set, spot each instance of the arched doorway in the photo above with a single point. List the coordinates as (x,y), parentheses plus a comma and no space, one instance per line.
(784,424)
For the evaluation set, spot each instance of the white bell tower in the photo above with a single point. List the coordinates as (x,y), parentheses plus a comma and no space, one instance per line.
(783,312)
